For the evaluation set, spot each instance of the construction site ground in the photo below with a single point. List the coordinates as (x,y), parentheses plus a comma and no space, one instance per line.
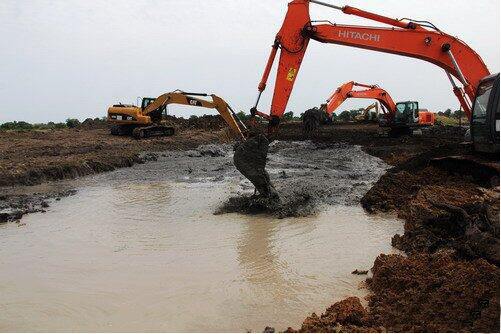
(447,281)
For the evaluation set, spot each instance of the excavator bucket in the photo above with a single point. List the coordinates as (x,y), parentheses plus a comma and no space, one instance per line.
(250,160)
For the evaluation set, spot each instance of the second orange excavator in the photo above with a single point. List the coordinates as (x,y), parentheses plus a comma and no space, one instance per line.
(401,115)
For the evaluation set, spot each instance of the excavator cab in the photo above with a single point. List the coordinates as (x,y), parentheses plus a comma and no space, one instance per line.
(407,113)
(146,102)
(485,116)
(156,115)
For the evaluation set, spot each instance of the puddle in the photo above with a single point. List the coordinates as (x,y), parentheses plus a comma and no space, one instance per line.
(139,249)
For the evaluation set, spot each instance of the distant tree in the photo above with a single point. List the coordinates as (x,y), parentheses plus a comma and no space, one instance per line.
(345,116)
(193,117)
(242,116)
(72,123)
(448,113)
(289,116)
(459,113)
(21,125)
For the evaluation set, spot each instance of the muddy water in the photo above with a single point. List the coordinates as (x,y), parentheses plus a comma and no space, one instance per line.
(139,249)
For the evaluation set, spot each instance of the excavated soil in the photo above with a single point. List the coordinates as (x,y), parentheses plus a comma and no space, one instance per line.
(419,293)
(449,280)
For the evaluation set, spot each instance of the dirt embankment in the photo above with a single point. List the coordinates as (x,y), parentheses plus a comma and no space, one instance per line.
(449,280)
(34,157)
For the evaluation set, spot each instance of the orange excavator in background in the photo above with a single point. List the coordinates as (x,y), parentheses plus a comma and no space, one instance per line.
(401,115)
(478,96)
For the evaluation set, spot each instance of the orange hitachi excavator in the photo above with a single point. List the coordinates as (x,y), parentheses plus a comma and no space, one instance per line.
(402,115)
(478,96)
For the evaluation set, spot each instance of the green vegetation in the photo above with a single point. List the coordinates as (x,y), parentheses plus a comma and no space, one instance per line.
(25,126)
(72,123)
(448,117)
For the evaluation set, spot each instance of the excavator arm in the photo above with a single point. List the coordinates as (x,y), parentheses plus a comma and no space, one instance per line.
(346,91)
(192,99)
(408,38)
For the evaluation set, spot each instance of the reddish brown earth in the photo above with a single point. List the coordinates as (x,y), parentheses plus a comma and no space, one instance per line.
(449,280)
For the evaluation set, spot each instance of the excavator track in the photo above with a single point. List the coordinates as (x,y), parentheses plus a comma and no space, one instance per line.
(153,131)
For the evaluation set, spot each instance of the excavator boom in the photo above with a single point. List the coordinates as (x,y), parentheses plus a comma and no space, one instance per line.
(407,38)
(190,99)
(346,91)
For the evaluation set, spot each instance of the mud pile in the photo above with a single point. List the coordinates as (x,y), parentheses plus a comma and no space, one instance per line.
(448,203)
(421,293)
(434,293)
(95,123)
(450,280)
(13,207)
(205,122)
(308,175)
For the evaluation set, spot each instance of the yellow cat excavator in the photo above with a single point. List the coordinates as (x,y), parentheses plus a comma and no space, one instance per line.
(149,119)
(367,115)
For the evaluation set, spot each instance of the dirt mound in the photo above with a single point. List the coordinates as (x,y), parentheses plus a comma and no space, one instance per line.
(96,123)
(342,316)
(421,293)
(205,122)
(445,203)
(434,293)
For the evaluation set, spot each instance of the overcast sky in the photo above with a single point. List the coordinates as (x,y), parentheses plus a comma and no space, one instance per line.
(72,58)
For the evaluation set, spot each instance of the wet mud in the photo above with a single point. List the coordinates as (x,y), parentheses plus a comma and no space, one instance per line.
(307,176)
(14,206)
